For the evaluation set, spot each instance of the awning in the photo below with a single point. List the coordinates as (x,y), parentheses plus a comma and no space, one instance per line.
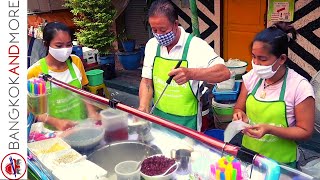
(64,16)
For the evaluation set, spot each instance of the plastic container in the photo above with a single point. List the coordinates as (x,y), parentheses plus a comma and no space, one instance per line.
(226,85)
(109,59)
(115,123)
(215,133)
(77,50)
(127,170)
(48,146)
(37,104)
(95,77)
(222,114)
(128,45)
(230,95)
(130,60)
(80,170)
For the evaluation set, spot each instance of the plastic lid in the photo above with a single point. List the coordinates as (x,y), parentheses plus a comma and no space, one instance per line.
(109,114)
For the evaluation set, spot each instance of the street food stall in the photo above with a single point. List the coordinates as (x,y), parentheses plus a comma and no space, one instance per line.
(126,143)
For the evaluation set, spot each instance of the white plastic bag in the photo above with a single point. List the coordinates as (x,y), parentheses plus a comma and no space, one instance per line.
(234,128)
(312,168)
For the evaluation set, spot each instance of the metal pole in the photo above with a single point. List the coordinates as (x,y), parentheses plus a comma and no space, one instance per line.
(194,18)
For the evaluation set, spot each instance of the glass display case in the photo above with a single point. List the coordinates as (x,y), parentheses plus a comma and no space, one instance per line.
(121,142)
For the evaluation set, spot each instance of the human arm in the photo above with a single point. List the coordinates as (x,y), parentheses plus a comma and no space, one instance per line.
(59,124)
(240,106)
(91,109)
(203,65)
(214,74)
(92,112)
(145,94)
(305,115)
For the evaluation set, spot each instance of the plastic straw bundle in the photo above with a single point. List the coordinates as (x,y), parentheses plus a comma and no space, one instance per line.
(37,96)
(227,168)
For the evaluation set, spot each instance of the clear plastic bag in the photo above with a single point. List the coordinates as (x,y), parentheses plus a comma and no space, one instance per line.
(312,168)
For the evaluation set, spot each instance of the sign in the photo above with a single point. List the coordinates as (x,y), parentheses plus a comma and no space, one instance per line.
(280,10)
(13,104)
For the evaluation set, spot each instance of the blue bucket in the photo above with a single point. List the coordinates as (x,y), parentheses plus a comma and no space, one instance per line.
(109,59)
(215,133)
(129,45)
(130,60)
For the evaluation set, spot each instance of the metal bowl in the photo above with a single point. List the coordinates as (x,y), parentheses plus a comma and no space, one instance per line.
(110,155)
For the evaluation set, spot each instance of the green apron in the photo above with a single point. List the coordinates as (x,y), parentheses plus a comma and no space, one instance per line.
(273,113)
(64,104)
(178,104)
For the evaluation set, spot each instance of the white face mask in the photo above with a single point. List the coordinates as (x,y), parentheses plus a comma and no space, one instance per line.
(264,72)
(60,54)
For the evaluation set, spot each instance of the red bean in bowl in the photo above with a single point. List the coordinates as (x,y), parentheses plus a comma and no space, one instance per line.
(156,165)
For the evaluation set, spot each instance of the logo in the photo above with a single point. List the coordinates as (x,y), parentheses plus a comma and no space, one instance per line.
(13,166)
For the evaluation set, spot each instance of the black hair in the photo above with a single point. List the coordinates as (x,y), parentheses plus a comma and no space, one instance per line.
(51,29)
(163,7)
(277,37)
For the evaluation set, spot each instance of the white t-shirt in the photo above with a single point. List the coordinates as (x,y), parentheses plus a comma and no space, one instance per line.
(63,75)
(200,55)
(298,89)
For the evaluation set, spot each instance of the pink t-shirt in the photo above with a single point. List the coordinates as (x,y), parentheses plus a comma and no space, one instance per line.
(298,89)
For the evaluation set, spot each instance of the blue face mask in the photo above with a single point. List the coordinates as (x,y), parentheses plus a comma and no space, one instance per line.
(165,39)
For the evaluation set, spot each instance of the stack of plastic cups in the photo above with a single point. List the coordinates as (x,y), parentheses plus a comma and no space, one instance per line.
(227,168)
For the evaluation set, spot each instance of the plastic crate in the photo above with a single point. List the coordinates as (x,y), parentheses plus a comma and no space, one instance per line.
(231,95)
(215,133)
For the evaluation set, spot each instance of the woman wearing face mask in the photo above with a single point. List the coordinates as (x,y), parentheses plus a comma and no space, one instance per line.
(171,43)
(64,108)
(278,102)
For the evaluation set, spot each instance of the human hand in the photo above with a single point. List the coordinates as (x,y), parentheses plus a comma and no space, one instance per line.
(257,131)
(144,109)
(63,124)
(94,116)
(240,115)
(180,75)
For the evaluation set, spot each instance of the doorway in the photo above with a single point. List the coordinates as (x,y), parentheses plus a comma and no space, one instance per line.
(241,21)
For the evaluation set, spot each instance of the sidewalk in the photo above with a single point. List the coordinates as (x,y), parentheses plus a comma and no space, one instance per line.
(126,80)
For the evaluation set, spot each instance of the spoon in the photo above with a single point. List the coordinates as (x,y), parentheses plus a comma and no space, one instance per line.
(139,164)
(173,165)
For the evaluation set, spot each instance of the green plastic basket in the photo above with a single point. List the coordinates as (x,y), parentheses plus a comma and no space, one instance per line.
(95,77)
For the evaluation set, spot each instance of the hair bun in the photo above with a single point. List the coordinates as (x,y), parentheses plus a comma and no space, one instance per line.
(287,28)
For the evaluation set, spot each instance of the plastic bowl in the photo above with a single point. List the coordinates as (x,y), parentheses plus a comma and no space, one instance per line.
(83,138)
(237,66)
(157,177)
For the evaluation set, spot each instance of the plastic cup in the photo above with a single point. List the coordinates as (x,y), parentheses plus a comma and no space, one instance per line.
(115,123)
(127,170)
(182,156)
(37,104)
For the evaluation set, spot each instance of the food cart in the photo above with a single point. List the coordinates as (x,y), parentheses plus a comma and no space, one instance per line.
(92,149)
